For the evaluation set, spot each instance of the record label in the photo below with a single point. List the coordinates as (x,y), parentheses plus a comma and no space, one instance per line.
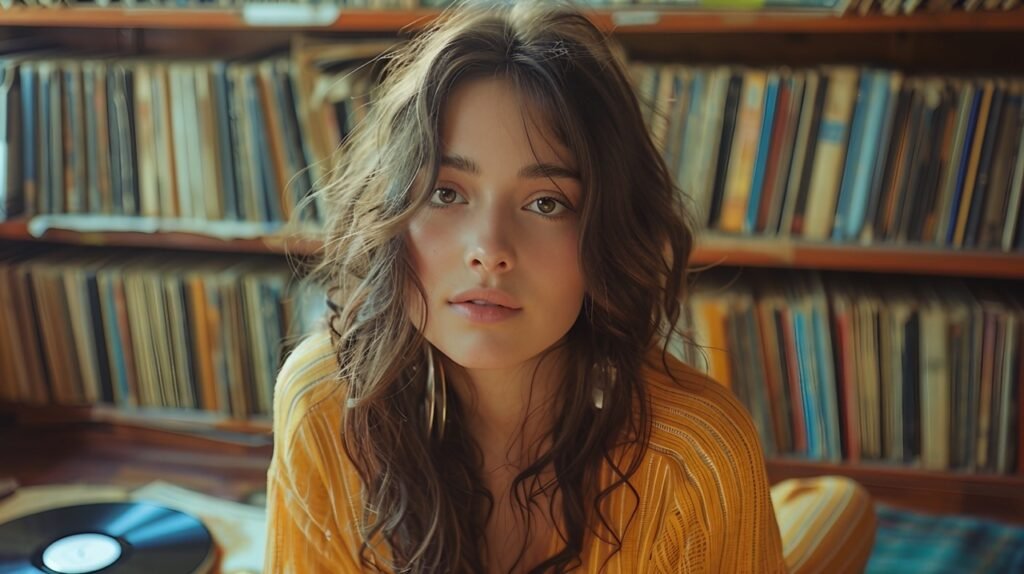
(81,553)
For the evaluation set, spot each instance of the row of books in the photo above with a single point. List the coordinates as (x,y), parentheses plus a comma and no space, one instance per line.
(862,7)
(836,153)
(190,140)
(844,153)
(137,331)
(832,368)
(914,372)
(896,7)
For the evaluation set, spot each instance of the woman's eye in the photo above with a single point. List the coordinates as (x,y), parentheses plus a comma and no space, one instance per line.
(548,206)
(446,196)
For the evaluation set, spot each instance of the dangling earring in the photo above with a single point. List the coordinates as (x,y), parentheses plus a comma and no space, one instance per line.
(604,376)
(433,374)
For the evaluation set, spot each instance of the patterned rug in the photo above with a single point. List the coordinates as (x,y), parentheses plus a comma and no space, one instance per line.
(911,543)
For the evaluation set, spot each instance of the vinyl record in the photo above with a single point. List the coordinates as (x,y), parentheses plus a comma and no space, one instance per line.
(107,538)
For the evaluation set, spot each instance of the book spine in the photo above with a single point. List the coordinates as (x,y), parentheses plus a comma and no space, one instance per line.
(890,161)
(983,181)
(868,164)
(832,141)
(829,402)
(858,134)
(763,148)
(29,116)
(725,146)
(977,143)
(1014,203)
(744,151)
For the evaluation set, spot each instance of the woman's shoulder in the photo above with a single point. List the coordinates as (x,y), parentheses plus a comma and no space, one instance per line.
(709,471)
(307,383)
(692,412)
(309,467)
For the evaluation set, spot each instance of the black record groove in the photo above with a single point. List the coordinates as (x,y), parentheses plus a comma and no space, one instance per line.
(107,538)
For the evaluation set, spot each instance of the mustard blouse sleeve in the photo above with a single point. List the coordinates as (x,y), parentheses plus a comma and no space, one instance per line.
(718,510)
(303,536)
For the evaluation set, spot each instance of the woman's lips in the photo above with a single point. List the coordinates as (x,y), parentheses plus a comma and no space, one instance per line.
(484,313)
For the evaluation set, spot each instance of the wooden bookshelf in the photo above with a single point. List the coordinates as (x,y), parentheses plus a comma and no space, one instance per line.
(950,40)
(626,21)
(712,250)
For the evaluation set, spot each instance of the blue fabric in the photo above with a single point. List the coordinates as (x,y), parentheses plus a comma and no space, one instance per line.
(908,542)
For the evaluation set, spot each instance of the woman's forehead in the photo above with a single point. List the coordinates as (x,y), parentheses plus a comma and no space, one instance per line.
(493,114)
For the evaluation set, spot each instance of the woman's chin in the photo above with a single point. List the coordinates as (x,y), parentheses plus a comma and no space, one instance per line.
(486,360)
(492,356)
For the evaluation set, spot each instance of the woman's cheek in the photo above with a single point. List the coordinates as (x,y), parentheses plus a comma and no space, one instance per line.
(559,240)
(426,236)
(422,241)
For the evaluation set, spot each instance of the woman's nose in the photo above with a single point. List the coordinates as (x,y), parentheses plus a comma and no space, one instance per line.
(490,244)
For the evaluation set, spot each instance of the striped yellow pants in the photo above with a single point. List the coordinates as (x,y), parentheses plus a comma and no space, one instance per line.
(827,524)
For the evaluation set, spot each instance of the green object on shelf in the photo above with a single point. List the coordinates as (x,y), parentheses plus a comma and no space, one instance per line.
(733,4)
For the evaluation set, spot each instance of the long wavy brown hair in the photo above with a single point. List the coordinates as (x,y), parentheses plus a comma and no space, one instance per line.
(423,493)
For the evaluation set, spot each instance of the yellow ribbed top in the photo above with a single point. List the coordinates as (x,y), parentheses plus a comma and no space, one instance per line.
(704,502)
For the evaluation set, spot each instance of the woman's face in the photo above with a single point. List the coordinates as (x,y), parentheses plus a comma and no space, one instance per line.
(503,218)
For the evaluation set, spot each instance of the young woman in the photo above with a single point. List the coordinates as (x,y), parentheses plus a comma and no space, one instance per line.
(504,253)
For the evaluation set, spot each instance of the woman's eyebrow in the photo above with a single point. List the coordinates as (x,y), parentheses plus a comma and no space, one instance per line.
(547,171)
(534,171)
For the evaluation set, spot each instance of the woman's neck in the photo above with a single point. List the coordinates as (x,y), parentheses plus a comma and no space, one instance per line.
(508,411)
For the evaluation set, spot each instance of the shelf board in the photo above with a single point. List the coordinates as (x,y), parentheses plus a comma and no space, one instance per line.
(17,230)
(712,250)
(734,251)
(201,425)
(784,467)
(202,19)
(938,492)
(631,21)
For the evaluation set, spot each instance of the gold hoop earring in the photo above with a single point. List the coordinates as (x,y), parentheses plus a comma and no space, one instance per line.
(433,373)
(604,376)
